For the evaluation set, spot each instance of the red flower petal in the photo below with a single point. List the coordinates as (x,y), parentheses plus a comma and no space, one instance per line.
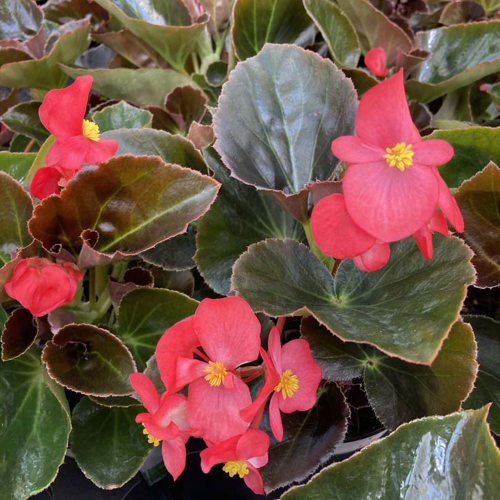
(169,431)
(275,417)
(228,330)
(335,232)
(373,259)
(254,480)
(251,445)
(188,370)
(375,61)
(174,456)
(383,119)
(423,238)
(219,453)
(70,152)
(351,149)
(215,411)
(432,152)
(63,110)
(45,182)
(438,224)
(100,151)
(274,348)
(146,390)
(387,203)
(448,204)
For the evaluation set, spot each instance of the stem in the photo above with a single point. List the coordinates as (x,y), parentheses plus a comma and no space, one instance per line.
(327,261)
(258,418)
(92,294)
(281,323)
(29,146)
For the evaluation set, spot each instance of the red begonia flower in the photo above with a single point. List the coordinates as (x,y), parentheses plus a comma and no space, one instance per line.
(77,140)
(423,236)
(242,455)
(47,181)
(229,333)
(390,187)
(293,376)
(42,286)
(375,61)
(165,421)
(373,259)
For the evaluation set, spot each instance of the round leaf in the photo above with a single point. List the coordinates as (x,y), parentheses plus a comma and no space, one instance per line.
(19,333)
(23,119)
(122,115)
(17,165)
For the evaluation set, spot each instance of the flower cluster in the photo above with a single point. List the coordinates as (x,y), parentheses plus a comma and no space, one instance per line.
(77,140)
(206,352)
(391,189)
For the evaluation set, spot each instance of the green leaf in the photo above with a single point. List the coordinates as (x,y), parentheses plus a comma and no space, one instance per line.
(19,20)
(406,309)
(268,92)
(144,316)
(489,5)
(15,211)
(18,335)
(39,161)
(122,115)
(309,439)
(460,55)
(337,31)
(64,11)
(186,104)
(23,119)
(256,23)
(17,165)
(474,148)
(89,360)
(35,427)
(240,216)
(375,29)
(436,457)
(164,26)
(107,444)
(45,73)
(144,86)
(479,201)
(128,205)
(487,389)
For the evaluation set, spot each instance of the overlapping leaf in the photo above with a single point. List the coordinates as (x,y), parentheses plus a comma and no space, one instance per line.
(23,119)
(18,334)
(17,165)
(122,115)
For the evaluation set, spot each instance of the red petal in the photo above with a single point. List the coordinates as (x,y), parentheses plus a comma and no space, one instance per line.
(297,357)
(146,390)
(71,152)
(274,348)
(174,456)
(100,151)
(173,408)
(375,61)
(228,330)
(254,480)
(438,224)
(387,203)
(350,149)
(188,370)
(215,411)
(432,152)
(252,444)
(169,431)
(373,259)
(423,238)
(222,452)
(448,204)
(383,117)
(45,182)
(275,417)
(335,232)
(63,110)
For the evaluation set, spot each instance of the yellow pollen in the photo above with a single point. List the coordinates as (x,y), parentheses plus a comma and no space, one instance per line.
(400,156)
(90,130)
(216,374)
(151,439)
(233,468)
(288,385)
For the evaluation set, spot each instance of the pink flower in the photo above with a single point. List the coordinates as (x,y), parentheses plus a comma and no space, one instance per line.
(42,286)
(166,422)
(423,236)
(242,455)
(391,186)
(229,333)
(47,181)
(375,61)
(292,375)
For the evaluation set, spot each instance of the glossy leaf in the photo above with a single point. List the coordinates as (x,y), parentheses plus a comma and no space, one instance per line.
(375,29)
(337,31)
(240,216)
(268,93)
(23,119)
(15,211)
(122,115)
(309,439)
(436,457)
(165,26)
(45,73)
(89,360)
(406,309)
(19,20)
(145,86)
(35,427)
(64,11)
(479,202)
(108,446)
(19,333)
(40,159)
(487,389)
(460,55)
(17,165)
(187,104)
(144,316)
(257,22)
(156,201)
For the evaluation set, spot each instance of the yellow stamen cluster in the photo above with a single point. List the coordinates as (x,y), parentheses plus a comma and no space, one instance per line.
(400,156)
(289,384)
(151,439)
(233,468)
(216,373)
(90,130)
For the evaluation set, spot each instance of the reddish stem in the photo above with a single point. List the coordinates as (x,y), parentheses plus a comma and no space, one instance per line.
(258,418)
(201,355)
(281,323)
(336,266)
(29,146)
